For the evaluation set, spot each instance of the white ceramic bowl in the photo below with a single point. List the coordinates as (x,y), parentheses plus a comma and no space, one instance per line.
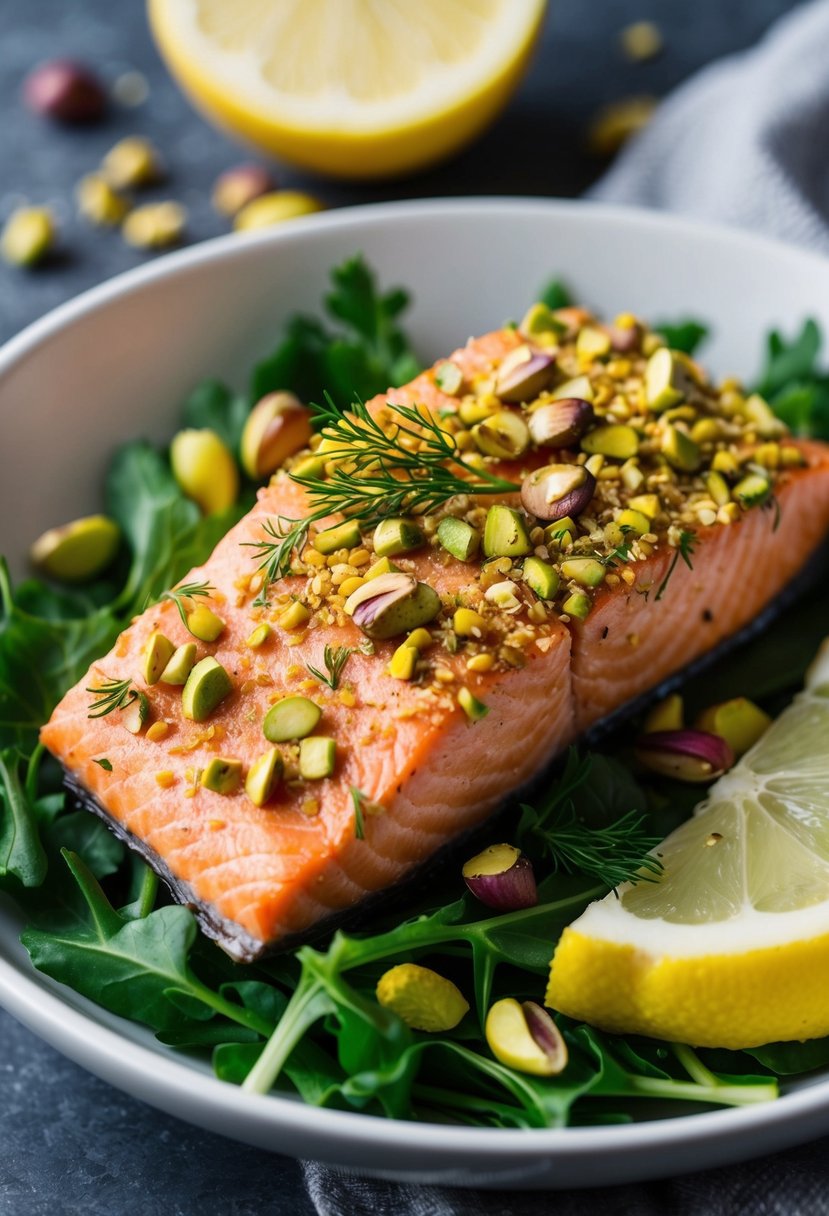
(115,363)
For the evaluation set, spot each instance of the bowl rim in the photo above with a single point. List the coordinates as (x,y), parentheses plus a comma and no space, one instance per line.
(161,1080)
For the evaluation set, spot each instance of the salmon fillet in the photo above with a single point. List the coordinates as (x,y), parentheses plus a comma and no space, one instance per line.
(258,875)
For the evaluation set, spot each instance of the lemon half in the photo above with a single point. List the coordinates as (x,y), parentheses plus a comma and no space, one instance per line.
(354,88)
(730,948)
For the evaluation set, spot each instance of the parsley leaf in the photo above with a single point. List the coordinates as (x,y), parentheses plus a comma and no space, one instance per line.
(685,335)
(364,355)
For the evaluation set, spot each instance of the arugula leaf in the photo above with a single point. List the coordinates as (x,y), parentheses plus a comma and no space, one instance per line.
(365,356)
(40,657)
(788,1059)
(685,335)
(135,968)
(213,405)
(21,851)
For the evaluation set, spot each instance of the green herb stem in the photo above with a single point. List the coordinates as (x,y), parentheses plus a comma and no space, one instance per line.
(148,893)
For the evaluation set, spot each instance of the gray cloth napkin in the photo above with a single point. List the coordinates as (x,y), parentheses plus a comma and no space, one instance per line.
(746,141)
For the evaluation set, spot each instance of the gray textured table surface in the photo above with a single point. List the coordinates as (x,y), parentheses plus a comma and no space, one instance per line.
(68,1142)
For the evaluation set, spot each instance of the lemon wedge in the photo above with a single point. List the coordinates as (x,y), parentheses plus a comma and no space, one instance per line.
(354,88)
(730,947)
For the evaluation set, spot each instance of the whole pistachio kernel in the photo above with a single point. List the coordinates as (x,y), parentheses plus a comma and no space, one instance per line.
(504,435)
(277,427)
(557,490)
(523,374)
(65,91)
(395,536)
(274,208)
(694,756)
(558,424)
(180,665)
(28,236)
(502,878)
(525,1037)
(155,225)
(392,604)
(505,533)
(131,162)
(157,654)
(204,469)
(291,718)
(459,538)
(317,758)
(77,551)
(263,776)
(222,775)
(204,624)
(99,203)
(614,440)
(421,998)
(207,686)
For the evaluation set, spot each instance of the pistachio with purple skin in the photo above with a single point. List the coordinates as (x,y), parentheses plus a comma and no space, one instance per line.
(524,1037)
(560,423)
(694,756)
(66,91)
(502,878)
(392,604)
(557,490)
(625,338)
(523,374)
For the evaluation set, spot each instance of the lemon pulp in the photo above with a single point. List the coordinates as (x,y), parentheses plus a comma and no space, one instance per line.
(730,947)
(357,88)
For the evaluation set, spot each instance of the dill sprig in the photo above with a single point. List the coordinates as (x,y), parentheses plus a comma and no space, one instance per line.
(684,550)
(612,853)
(109,696)
(616,853)
(335,659)
(186,591)
(413,470)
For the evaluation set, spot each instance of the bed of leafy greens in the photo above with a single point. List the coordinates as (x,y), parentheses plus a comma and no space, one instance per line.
(97,921)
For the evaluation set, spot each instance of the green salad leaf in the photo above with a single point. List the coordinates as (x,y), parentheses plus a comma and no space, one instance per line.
(686,335)
(793,382)
(364,356)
